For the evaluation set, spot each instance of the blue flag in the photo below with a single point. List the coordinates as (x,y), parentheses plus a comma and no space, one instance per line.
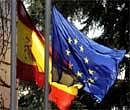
(94,65)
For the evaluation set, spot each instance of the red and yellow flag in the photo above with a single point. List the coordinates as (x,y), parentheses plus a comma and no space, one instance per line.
(62,95)
(30,49)
(30,61)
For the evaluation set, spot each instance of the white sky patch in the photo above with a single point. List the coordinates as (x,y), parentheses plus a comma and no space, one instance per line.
(78,24)
(127,55)
(93,32)
(26,5)
(25,92)
(121,74)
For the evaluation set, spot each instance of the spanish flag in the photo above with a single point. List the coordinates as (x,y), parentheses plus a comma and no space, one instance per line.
(30,61)
(63,92)
(30,49)
(62,95)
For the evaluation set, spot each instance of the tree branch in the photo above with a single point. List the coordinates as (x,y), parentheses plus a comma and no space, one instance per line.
(4,62)
(3,83)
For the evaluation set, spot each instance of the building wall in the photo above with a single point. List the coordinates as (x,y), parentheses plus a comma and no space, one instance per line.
(4,54)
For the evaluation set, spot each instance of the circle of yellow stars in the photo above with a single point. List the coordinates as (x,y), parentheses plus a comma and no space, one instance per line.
(79,74)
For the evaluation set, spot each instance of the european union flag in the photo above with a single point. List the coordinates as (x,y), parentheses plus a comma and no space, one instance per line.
(95,65)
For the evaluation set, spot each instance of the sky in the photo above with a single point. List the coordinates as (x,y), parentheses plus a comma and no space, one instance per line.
(93,33)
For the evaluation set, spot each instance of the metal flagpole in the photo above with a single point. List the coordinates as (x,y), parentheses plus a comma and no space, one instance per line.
(47,34)
(13,56)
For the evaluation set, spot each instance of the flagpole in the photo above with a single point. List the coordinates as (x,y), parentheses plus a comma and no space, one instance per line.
(47,34)
(13,56)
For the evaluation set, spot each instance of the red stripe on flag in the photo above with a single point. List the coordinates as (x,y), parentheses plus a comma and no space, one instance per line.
(30,73)
(62,99)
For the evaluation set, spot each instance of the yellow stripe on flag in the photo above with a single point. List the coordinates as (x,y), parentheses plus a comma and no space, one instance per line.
(24,43)
(30,49)
(38,50)
(71,90)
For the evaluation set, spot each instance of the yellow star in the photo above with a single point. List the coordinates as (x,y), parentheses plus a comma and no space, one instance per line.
(90,71)
(79,74)
(86,60)
(91,81)
(67,52)
(81,48)
(69,40)
(75,41)
(70,65)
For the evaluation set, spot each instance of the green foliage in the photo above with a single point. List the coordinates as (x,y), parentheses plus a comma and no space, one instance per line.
(30,96)
(36,12)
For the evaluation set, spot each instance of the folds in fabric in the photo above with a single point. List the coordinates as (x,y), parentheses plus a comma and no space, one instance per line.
(94,65)
(30,48)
